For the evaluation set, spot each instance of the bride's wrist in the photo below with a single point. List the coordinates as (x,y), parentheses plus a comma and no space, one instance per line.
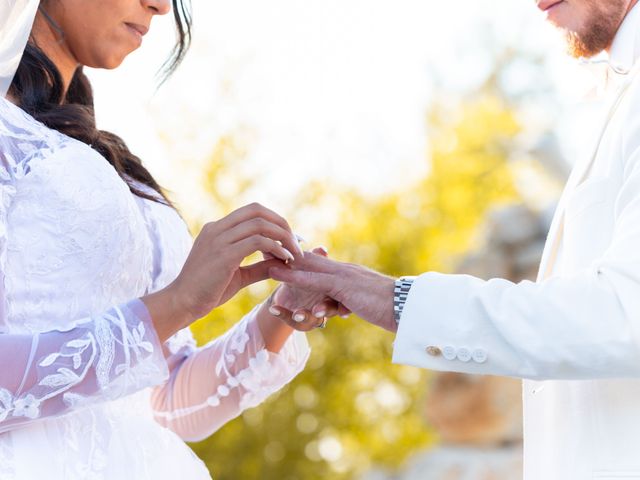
(168,312)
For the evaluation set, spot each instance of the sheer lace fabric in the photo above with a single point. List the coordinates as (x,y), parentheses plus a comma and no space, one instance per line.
(103,357)
(244,375)
(85,386)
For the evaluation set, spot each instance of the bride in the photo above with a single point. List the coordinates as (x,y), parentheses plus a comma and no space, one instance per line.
(99,278)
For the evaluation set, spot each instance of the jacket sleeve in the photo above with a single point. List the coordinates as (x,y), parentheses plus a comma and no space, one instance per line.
(582,326)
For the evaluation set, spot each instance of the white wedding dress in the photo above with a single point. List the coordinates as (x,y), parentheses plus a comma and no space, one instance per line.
(86,390)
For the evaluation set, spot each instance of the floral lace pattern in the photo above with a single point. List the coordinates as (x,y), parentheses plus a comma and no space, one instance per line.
(229,374)
(104,357)
(87,386)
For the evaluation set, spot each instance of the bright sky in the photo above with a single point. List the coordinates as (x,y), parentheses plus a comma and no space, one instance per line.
(334,89)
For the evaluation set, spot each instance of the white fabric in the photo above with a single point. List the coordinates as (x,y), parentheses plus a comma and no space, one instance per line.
(625,49)
(85,389)
(16,20)
(575,333)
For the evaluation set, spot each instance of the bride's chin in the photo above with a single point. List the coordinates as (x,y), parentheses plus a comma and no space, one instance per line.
(110,63)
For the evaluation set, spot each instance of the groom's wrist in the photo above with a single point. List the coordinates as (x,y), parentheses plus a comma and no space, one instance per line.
(400,294)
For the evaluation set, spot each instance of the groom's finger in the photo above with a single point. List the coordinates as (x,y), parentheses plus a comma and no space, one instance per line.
(317,262)
(321,282)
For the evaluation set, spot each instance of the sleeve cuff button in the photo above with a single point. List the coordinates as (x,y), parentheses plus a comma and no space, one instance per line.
(449,352)
(464,355)
(479,355)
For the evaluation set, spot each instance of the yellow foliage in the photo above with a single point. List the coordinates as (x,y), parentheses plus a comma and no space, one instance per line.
(351,408)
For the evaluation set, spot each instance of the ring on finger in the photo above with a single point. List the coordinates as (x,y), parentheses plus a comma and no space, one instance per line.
(323,324)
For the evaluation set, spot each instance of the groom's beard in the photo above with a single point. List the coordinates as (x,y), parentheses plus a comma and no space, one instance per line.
(599,29)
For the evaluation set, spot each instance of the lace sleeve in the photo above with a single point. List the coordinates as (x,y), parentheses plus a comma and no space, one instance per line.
(101,358)
(211,385)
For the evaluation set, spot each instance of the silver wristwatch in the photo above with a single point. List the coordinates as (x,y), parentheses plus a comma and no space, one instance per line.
(400,294)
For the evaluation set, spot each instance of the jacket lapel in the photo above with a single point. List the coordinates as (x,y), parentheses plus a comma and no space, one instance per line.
(578,175)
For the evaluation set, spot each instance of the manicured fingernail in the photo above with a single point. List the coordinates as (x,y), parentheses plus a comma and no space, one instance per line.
(274,311)
(324,249)
(288,254)
(298,317)
(320,314)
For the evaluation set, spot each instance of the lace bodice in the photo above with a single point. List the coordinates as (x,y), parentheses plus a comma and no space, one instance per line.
(76,250)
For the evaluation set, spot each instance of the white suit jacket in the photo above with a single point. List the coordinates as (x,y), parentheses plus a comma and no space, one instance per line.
(574,335)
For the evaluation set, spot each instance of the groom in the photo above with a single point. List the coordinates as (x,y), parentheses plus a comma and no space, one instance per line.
(574,335)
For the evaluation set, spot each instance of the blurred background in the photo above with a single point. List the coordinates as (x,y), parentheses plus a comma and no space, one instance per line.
(408,135)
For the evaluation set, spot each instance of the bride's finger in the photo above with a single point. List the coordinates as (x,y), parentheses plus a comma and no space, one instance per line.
(258,243)
(321,251)
(287,317)
(256,272)
(268,256)
(326,308)
(343,311)
(260,226)
(253,210)
(306,320)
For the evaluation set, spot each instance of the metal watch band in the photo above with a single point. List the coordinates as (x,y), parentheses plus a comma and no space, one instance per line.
(400,294)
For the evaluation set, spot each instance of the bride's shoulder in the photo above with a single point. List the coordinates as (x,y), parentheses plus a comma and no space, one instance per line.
(27,144)
(18,122)
(48,178)
(22,139)
(40,162)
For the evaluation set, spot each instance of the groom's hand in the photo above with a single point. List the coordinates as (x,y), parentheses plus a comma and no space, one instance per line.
(301,309)
(366,293)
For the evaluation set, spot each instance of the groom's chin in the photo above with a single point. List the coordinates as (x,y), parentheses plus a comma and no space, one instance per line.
(589,27)
(580,47)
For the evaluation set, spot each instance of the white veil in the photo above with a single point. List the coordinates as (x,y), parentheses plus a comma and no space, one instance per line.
(16,20)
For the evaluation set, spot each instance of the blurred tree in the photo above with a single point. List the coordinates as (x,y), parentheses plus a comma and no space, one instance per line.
(351,407)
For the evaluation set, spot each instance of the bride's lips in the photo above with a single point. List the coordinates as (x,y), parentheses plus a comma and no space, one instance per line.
(138,30)
(546,5)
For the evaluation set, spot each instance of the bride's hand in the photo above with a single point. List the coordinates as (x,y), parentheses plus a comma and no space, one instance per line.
(301,309)
(212,273)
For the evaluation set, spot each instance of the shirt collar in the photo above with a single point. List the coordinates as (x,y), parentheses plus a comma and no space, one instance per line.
(611,69)
(625,49)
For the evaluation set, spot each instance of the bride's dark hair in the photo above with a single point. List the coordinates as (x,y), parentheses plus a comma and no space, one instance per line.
(38,89)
